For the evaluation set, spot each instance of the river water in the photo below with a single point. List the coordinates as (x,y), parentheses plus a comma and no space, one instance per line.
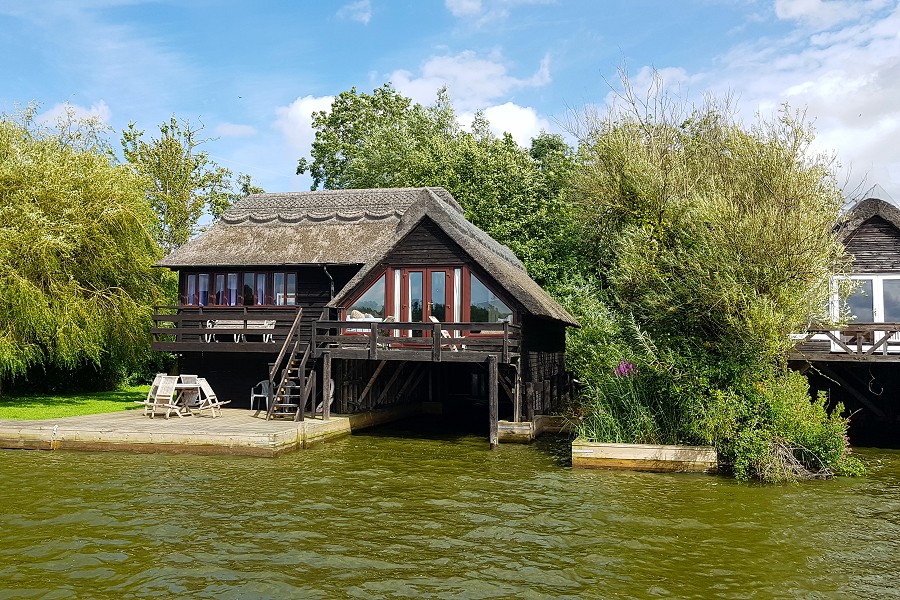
(389,514)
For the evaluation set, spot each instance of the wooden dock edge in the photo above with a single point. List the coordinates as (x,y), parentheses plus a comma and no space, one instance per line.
(643,457)
(526,431)
(36,435)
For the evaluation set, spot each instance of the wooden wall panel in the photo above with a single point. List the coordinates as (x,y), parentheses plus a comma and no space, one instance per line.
(875,247)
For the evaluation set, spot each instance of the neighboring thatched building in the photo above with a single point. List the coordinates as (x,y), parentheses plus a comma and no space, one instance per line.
(402,256)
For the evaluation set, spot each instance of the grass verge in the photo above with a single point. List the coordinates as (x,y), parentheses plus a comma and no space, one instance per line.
(71,405)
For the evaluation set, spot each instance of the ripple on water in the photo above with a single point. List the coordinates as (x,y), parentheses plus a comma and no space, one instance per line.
(392,515)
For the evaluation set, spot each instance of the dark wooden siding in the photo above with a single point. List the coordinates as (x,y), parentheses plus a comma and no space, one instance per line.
(427,245)
(875,247)
(230,375)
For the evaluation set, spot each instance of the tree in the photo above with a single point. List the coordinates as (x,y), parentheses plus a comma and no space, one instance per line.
(713,242)
(76,252)
(385,140)
(181,183)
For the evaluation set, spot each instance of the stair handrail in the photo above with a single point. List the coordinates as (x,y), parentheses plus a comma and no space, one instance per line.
(295,327)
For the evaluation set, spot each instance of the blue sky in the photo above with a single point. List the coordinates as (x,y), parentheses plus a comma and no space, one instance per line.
(252,72)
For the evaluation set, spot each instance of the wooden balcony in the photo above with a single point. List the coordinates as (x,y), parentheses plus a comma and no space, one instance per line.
(425,342)
(856,342)
(221,328)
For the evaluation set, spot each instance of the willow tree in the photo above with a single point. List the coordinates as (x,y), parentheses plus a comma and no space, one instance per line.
(714,241)
(75,250)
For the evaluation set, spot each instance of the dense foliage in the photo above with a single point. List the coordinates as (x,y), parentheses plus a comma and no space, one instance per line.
(75,252)
(712,243)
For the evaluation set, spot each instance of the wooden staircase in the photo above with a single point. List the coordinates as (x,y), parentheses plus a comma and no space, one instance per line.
(295,377)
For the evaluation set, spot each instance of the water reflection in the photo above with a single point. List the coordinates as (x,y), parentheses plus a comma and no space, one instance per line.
(384,515)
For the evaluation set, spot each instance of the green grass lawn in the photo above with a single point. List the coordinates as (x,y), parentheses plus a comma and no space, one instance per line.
(71,405)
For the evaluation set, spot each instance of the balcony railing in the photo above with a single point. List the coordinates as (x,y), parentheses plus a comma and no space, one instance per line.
(436,342)
(854,342)
(221,328)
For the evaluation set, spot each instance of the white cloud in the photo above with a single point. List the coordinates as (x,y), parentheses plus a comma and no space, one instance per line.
(357,11)
(463,8)
(824,13)
(234,130)
(474,81)
(295,120)
(98,110)
(522,122)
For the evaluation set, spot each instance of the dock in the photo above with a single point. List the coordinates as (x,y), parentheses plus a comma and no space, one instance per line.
(236,432)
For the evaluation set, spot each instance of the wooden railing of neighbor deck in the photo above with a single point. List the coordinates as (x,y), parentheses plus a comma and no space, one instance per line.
(428,342)
(221,328)
(872,342)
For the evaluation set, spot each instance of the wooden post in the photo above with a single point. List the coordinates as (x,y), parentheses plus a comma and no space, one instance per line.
(327,386)
(436,342)
(493,409)
(517,395)
(373,341)
(529,400)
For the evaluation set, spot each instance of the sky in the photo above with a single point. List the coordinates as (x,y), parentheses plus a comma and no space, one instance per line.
(252,73)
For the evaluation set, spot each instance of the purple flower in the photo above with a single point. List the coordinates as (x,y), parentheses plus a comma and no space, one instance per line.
(625,369)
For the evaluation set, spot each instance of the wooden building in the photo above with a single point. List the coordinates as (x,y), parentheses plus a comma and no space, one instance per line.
(860,363)
(391,294)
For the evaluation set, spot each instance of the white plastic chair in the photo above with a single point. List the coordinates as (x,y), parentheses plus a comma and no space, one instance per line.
(260,391)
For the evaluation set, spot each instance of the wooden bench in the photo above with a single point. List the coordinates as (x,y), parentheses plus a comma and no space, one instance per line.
(241,324)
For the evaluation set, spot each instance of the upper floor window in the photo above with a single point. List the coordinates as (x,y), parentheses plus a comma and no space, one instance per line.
(372,303)
(484,306)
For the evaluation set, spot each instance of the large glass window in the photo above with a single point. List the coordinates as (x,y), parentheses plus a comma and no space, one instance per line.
(261,288)
(484,306)
(861,303)
(220,289)
(438,300)
(371,305)
(248,294)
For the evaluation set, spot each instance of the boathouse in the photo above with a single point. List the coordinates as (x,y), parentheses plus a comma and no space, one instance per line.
(354,300)
(860,363)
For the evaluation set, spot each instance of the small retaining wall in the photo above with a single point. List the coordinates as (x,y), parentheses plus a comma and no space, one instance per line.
(643,457)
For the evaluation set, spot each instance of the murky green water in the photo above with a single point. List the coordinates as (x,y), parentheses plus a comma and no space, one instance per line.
(384,515)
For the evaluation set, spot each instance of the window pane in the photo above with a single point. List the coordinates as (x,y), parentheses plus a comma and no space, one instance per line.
(190,295)
(220,289)
(261,288)
(370,305)
(439,295)
(891,300)
(247,295)
(415,299)
(484,307)
(203,289)
(278,289)
(291,289)
(231,300)
(860,303)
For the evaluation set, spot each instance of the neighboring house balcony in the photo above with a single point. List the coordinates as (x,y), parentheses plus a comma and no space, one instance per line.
(874,342)
(221,328)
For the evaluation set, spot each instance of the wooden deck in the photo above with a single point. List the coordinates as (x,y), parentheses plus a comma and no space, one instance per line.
(236,432)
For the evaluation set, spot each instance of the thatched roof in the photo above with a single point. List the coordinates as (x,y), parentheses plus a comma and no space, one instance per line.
(876,202)
(351,227)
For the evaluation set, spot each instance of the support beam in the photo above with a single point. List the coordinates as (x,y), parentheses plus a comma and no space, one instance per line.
(390,382)
(369,385)
(327,386)
(493,408)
